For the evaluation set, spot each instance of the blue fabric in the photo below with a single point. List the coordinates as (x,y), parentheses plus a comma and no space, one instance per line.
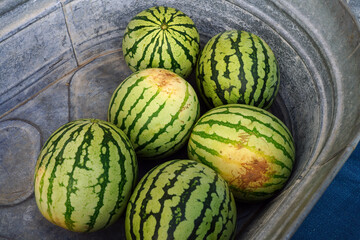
(337,214)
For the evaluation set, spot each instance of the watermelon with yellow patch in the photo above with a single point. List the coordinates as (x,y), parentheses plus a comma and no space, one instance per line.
(156,108)
(251,149)
(84,175)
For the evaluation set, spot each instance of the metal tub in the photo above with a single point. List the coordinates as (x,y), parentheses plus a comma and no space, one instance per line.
(61,60)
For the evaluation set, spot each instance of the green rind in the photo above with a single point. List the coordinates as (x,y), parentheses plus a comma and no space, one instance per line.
(235,126)
(181,199)
(84,175)
(157,118)
(161,37)
(237,67)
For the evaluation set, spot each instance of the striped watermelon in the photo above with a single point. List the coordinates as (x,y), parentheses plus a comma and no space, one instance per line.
(250,148)
(84,175)
(181,199)
(161,37)
(237,67)
(156,108)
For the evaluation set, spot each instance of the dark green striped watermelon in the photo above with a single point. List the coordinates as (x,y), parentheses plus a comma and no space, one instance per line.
(84,175)
(237,67)
(250,148)
(181,199)
(161,37)
(156,108)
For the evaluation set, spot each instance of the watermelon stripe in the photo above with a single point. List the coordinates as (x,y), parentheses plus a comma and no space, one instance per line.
(141,97)
(159,52)
(284,176)
(254,73)
(215,72)
(200,82)
(136,28)
(128,145)
(237,60)
(174,64)
(146,199)
(59,132)
(121,104)
(70,162)
(172,17)
(252,119)
(184,33)
(185,49)
(203,147)
(179,212)
(146,40)
(152,184)
(178,143)
(104,158)
(241,76)
(146,19)
(266,113)
(207,202)
(59,160)
(163,130)
(140,113)
(145,52)
(155,15)
(218,216)
(233,142)
(181,132)
(286,137)
(185,25)
(134,47)
(149,119)
(71,189)
(202,159)
(166,196)
(265,79)
(279,184)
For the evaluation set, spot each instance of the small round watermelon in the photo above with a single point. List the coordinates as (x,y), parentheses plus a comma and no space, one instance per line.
(250,148)
(161,37)
(156,108)
(84,175)
(237,67)
(181,199)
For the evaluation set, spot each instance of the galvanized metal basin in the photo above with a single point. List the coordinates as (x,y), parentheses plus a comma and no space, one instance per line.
(61,60)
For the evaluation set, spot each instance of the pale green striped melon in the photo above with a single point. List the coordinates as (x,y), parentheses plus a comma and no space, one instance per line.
(237,67)
(84,175)
(181,199)
(161,37)
(250,148)
(156,109)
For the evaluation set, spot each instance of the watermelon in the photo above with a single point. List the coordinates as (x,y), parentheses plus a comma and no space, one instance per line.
(161,37)
(84,175)
(181,199)
(156,108)
(250,148)
(237,67)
